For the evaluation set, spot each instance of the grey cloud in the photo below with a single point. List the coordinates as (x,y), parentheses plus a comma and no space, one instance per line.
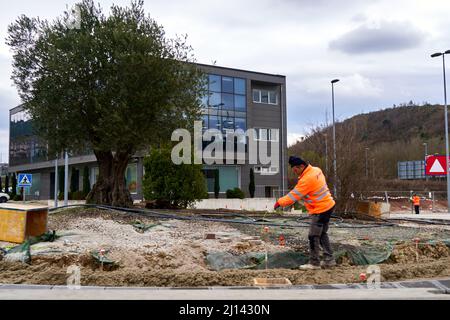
(388,36)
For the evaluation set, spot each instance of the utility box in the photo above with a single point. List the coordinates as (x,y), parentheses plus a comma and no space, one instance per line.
(370,208)
(19,221)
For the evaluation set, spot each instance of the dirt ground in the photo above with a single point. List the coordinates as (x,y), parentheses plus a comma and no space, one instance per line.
(172,253)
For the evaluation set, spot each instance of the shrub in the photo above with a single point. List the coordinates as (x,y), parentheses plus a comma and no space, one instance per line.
(235,193)
(77,195)
(171,184)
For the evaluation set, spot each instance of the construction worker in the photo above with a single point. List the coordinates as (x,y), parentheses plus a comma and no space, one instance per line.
(416,203)
(312,189)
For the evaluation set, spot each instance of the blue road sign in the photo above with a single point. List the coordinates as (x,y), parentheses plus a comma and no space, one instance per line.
(25,180)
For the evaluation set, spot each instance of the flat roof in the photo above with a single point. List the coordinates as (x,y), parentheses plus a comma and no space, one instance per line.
(241,70)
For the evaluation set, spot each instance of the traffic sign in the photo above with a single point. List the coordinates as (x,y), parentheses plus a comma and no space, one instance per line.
(25,180)
(435,165)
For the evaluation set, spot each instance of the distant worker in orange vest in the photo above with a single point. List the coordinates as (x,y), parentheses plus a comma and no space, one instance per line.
(312,189)
(416,203)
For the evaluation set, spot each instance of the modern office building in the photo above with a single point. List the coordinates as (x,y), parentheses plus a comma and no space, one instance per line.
(238,99)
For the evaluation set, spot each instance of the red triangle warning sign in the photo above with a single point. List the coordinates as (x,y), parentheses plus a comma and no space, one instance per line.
(436,167)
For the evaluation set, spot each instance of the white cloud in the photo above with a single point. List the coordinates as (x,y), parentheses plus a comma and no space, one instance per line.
(293,137)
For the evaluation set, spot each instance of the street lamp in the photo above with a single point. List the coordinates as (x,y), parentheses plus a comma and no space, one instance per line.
(367,167)
(425,158)
(373,168)
(434,55)
(334,138)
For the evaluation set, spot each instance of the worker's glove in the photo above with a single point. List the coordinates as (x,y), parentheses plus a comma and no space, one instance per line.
(276,206)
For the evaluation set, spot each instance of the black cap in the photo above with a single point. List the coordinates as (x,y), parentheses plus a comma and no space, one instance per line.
(296,161)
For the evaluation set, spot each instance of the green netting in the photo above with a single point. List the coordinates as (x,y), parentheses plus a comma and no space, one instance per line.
(255,260)
(101,258)
(292,260)
(142,227)
(365,255)
(22,252)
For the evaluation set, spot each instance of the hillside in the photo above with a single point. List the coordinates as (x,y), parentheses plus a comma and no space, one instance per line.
(394,134)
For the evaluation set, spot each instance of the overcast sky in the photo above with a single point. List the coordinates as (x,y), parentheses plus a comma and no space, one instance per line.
(379,49)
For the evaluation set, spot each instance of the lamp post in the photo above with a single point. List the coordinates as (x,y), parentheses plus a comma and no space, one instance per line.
(373,168)
(425,158)
(434,55)
(367,167)
(334,138)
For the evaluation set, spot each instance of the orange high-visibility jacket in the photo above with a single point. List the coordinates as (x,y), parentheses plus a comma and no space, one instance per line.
(416,200)
(312,189)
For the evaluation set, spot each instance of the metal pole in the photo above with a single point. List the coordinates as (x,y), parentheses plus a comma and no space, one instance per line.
(424,161)
(446,136)
(66,179)
(334,143)
(367,168)
(373,168)
(56,182)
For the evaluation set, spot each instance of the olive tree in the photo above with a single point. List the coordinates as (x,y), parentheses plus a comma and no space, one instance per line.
(113,84)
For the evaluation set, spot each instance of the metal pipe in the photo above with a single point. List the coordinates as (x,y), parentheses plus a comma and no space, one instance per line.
(56,181)
(66,178)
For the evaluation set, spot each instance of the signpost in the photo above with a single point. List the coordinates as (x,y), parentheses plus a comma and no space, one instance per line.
(25,180)
(435,165)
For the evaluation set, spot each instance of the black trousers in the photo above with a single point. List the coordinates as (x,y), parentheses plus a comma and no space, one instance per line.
(318,237)
(416,208)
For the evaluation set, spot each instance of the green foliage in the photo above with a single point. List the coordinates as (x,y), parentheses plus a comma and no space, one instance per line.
(74,180)
(235,193)
(7,183)
(166,182)
(17,197)
(251,186)
(86,181)
(77,195)
(14,185)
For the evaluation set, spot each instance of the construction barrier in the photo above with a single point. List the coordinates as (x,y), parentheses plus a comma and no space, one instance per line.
(20,221)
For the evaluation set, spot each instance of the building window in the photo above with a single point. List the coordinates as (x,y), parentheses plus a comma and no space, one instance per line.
(227,84)
(215,83)
(240,123)
(226,103)
(228,178)
(239,86)
(265,96)
(273,97)
(265,170)
(227,100)
(214,100)
(239,103)
(131,178)
(263,134)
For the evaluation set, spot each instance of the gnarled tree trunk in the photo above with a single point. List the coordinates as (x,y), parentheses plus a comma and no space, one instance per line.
(111,188)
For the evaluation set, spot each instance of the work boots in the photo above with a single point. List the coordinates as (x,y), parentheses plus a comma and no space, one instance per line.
(328,264)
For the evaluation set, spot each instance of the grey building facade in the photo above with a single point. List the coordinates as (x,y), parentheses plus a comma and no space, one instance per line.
(237,99)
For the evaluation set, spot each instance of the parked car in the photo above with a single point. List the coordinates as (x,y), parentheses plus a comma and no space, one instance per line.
(3,197)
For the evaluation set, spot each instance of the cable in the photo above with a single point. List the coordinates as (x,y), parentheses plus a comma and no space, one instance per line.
(154,214)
